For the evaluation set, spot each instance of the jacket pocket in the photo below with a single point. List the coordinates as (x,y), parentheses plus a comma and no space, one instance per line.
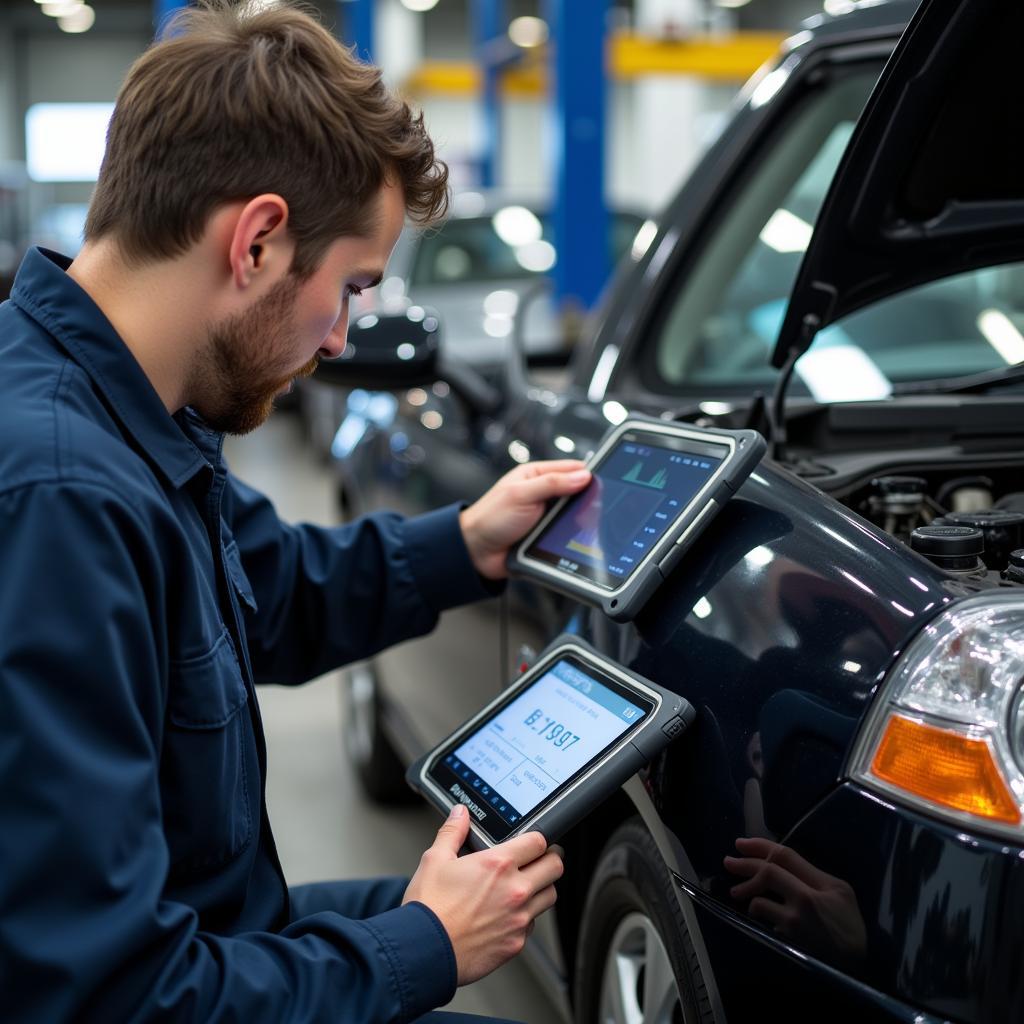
(205,765)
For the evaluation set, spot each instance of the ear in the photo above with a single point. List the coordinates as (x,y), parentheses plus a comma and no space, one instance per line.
(261,248)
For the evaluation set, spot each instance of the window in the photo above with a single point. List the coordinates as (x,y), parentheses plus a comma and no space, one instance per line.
(721,325)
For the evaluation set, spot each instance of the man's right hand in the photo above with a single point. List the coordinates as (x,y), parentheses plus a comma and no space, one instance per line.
(487,901)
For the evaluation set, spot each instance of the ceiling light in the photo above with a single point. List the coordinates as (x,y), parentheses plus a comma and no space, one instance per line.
(419,5)
(79,20)
(1002,334)
(516,225)
(62,8)
(528,32)
(786,232)
(538,256)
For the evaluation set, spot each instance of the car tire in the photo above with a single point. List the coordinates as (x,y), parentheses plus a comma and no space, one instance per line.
(636,960)
(378,768)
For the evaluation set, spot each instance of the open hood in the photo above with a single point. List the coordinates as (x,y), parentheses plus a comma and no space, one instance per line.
(932,182)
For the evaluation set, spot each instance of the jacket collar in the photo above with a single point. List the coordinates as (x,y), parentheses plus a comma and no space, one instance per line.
(45,292)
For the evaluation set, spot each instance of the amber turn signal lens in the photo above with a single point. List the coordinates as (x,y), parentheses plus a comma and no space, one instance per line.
(944,767)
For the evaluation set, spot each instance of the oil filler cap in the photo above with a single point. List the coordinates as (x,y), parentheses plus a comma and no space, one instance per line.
(953,548)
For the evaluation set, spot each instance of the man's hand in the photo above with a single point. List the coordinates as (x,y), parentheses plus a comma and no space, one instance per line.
(486,901)
(510,509)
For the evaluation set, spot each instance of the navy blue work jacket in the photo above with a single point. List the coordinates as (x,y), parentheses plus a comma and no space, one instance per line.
(143,593)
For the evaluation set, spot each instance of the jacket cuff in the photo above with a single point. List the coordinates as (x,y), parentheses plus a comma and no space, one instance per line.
(420,957)
(440,561)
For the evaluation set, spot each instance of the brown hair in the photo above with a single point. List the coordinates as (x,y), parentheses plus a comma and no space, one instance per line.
(231,105)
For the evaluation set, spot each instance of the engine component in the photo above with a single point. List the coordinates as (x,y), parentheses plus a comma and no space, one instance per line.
(898,503)
(1003,530)
(955,549)
(1014,571)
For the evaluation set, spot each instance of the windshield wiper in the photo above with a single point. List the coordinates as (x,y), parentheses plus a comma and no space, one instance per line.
(964,385)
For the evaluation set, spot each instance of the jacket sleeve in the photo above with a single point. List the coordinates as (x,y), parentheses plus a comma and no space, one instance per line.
(86,930)
(324,597)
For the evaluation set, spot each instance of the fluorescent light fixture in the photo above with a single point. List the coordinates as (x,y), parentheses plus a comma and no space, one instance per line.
(497,326)
(61,8)
(528,32)
(537,256)
(786,232)
(516,225)
(81,19)
(1002,334)
(614,412)
(716,408)
(502,302)
(518,451)
(419,6)
(65,141)
(842,373)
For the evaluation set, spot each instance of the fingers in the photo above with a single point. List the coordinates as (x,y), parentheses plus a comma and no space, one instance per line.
(525,849)
(547,485)
(452,834)
(544,871)
(541,466)
(541,901)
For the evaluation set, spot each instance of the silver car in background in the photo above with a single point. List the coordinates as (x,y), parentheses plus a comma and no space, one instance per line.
(485,273)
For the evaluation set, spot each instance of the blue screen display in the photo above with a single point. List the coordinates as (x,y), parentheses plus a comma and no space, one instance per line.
(637,492)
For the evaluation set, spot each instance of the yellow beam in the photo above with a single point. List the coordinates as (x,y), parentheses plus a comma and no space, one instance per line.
(729,58)
(726,58)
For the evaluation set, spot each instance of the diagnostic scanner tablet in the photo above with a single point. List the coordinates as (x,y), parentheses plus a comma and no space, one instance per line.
(552,746)
(656,486)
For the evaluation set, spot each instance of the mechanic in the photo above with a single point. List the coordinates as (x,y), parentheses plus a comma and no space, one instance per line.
(256,176)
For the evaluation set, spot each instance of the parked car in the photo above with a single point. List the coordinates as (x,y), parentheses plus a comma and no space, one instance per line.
(485,272)
(840,834)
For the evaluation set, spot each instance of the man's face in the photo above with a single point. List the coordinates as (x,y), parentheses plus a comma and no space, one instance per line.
(254,356)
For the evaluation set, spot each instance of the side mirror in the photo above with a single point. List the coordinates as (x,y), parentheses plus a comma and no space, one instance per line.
(386,351)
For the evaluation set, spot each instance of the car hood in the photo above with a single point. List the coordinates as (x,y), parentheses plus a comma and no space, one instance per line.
(932,182)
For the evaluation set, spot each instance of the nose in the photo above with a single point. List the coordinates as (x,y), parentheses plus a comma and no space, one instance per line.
(334,343)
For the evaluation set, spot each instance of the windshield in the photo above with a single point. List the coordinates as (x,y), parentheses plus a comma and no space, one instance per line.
(720,324)
(513,244)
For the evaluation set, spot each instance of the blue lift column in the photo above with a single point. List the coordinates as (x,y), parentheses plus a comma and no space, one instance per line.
(492,53)
(163,9)
(356,26)
(577,132)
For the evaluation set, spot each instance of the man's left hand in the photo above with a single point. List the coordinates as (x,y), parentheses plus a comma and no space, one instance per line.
(510,509)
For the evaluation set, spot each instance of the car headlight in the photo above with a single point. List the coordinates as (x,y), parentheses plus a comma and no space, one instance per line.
(946,733)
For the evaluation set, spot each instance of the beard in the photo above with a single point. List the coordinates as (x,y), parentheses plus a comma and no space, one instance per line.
(240,373)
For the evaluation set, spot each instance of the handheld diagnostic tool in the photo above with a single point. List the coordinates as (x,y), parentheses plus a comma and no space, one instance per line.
(656,485)
(552,746)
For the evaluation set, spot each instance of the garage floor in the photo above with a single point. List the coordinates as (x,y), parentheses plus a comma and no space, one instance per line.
(323,826)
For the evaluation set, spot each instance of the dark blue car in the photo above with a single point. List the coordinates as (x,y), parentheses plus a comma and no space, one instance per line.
(840,835)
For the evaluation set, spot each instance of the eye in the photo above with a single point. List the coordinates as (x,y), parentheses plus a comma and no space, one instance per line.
(353,289)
